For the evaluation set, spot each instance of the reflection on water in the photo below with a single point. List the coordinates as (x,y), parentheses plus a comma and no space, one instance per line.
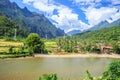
(66,68)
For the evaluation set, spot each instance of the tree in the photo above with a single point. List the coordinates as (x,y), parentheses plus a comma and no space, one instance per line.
(67,44)
(34,43)
(7,29)
(116,49)
(112,72)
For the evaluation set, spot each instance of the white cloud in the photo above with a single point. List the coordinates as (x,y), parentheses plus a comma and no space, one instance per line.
(95,12)
(47,6)
(83,1)
(65,19)
(28,1)
(114,17)
(86,3)
(90,2)
(68,20)
(71,29)
(115,1)
(95,16)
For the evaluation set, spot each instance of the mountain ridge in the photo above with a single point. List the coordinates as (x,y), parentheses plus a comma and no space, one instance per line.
(31,21)
(105,24)
(73,32)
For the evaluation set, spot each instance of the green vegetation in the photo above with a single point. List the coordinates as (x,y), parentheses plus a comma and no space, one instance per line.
(67,45)
(5,45)
(105,34)
(8,27)
(48,77)
(88,76)
(116,49)
(50,45)
(92,41)
(12,49)
(34,43)
(112,72)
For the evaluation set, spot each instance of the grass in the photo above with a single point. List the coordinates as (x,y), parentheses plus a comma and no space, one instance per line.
(50,46)
(5,45)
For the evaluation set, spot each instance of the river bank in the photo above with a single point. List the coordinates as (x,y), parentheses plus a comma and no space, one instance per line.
(66,55)
(77,55)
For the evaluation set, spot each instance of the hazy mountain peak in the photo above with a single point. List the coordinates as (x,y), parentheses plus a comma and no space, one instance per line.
(73,32)
(105,24)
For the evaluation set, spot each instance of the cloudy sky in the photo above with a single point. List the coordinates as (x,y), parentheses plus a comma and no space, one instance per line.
(74,14)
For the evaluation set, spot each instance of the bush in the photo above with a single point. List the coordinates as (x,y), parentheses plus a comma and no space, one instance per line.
(116,49)
(75,50)
(34,43)
(11,49)
(88,48)
(112,72)
(88,76)
(48,77)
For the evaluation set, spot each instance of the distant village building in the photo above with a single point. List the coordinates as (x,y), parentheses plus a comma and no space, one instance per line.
(78,47)
(105,49)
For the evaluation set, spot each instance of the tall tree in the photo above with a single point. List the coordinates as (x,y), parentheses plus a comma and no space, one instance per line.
(34,43)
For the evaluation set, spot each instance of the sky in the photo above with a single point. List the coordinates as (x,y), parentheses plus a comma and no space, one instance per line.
(71,15)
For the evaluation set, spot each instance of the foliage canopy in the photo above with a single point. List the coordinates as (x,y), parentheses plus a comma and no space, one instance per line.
(34,43)
(112,72)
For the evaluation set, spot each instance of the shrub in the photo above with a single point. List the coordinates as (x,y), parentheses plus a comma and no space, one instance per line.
(11,49)
(34,43)
(116,49)
(88,76)
(112,72)
(75,50)
(48,77)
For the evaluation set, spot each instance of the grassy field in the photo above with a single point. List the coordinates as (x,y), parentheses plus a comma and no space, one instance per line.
(4,48)
(5,45)
(50,45)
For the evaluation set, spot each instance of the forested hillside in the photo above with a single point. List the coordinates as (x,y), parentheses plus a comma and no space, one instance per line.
(7,28)
(112,33)
(93,41)
(30,21)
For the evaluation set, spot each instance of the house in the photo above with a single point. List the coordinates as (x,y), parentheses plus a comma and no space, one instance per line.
(105,49)
(78,47)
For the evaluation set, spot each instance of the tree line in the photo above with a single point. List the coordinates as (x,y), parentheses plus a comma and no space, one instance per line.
(7,29)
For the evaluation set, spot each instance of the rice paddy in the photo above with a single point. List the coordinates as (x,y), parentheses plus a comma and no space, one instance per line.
(5,45)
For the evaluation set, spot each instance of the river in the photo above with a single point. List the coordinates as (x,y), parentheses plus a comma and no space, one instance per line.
(65,68)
